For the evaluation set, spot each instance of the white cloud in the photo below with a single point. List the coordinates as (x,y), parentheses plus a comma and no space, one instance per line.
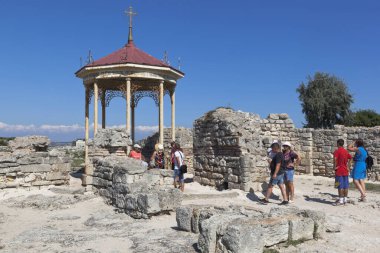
(62,129)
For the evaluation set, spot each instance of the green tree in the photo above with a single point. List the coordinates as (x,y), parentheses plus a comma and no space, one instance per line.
(325,100)
(366,118)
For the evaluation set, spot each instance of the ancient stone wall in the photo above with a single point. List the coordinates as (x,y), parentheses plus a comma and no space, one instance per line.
(324,144)
(230,147)
(127,184)
(27,162)
(228,152)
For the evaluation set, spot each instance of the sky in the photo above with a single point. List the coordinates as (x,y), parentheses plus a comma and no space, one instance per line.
(250,55)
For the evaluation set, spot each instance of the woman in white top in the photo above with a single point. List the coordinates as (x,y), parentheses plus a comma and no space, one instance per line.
(178,162)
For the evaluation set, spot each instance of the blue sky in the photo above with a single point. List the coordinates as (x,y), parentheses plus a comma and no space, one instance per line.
(247,54)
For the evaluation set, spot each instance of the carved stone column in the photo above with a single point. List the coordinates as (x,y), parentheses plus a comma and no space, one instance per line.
(128,98)
(161,127)
(86,123)
(172,98)
(96,93)
(133,121)
(103,100)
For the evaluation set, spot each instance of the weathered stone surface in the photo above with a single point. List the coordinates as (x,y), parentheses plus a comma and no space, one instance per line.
(243,236)
(184,216)
(127,184)
(301,228)
(112,138)
(35,168)
(211,229)
(29,142)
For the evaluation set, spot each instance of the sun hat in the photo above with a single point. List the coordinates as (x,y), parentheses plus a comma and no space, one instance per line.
(160,147)
(137,146)
(286,143)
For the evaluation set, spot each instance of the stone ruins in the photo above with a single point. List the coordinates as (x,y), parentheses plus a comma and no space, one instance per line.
(230,147)
(126,183)
(247,230)
(27,162)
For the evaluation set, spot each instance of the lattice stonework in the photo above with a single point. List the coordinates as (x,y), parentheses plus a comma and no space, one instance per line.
(89,93)
(139,90)
(110,94)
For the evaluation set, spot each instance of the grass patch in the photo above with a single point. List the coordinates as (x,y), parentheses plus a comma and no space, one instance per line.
(369,187)
(4,140)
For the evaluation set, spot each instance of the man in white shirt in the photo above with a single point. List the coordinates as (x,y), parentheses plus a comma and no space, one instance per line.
(178,162)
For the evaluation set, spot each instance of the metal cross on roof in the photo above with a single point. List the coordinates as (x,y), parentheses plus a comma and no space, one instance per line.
(130,13)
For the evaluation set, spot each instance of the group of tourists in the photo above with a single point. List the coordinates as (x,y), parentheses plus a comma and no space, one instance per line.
(282,163)
(157,161)
(283,160)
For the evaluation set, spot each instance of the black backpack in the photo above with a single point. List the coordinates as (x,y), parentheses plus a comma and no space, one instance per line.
(369,162)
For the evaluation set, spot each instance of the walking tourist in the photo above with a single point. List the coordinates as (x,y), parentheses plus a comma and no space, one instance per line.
(342,163)
(178,162)
(158,157)
(291,160)
(359,172)
(136,153)
(277,175)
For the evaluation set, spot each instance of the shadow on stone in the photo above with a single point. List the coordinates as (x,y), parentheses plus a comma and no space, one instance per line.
(195,247)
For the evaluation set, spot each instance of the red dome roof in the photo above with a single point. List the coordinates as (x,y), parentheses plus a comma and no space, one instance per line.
(128,54)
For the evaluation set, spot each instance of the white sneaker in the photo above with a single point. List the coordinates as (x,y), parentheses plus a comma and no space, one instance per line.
(291,201)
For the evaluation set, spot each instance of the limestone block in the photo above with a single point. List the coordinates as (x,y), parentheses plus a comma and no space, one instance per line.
(273,116)
(112,138)
(301,228)
(62,167)
(55,175)
(44,183)
(35,168)
(319,219)
(211,229)
(7,159)
(30,178)
(96,181)
(243,236)
(29,142)
(275,230)
(184,216)
(149,203)
(30,160)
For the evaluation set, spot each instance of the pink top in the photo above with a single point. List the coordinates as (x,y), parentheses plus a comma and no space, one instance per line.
(135,155)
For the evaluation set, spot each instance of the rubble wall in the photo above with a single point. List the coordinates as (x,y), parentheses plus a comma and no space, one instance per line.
(27,162)
(228,153)
(230,147)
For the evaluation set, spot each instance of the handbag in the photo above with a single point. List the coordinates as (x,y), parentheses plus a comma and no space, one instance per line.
(183,168)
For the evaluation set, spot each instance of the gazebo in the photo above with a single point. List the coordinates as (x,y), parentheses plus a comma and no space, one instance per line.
(132,74)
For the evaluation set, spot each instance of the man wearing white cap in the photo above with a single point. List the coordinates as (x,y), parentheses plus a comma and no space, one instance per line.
(291,161)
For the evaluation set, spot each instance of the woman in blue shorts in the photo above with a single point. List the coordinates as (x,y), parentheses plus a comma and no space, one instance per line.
(359,172)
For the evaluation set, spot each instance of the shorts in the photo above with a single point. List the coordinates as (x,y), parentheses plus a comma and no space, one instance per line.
(277,181)
(180,176)
(289,175)
(341,182)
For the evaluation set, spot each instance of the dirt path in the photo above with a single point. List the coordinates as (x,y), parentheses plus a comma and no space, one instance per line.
(70,221)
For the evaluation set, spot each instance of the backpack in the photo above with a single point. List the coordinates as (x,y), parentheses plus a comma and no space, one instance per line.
(369,162)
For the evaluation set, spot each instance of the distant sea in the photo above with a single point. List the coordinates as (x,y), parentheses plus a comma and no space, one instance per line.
(60,144)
